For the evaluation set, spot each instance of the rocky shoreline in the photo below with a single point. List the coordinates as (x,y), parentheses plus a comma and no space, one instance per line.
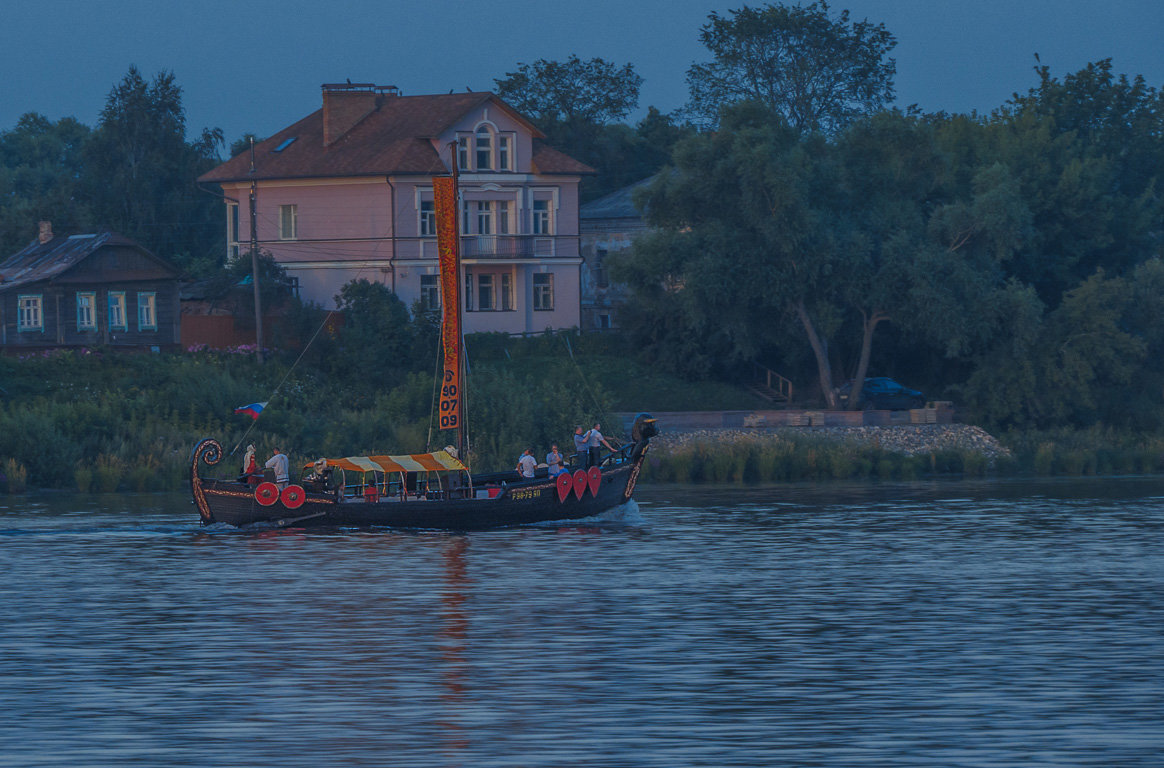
(909,439)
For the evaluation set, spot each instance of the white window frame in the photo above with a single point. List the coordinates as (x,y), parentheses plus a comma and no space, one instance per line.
(30,313)
(86,310)
(483,148)
(426,224)
(289,222)
(505,151)
(147,311)
(117,318)
(506,292)
(430,292)
(486,292)
(502,210)
(463,153)
(543,217)
(468,291)
(485,217)
(543,292)
(232,232)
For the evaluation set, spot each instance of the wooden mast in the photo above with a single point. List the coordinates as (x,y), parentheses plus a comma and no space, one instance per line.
(462,436)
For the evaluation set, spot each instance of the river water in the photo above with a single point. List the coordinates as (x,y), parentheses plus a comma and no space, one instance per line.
(992,623)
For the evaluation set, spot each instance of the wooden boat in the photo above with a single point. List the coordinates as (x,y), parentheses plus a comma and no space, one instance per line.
(419,491)
(430,490)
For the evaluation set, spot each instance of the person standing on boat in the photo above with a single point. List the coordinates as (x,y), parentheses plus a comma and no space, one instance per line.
(527,464)
(250,468)
(580,444)
(554,461)
(594,439)
(278,462)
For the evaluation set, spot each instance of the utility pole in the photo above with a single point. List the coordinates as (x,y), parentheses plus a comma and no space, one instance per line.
(255,263)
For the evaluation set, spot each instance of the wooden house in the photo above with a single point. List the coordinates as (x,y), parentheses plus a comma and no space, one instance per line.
(87,290)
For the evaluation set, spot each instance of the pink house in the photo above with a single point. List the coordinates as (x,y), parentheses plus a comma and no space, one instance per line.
(346,193)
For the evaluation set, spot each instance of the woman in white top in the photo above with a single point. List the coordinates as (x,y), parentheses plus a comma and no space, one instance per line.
(527,464)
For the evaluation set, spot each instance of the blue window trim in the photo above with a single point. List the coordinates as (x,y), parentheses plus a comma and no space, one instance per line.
(20,327)
(153,326)
(93,308)
(124,325)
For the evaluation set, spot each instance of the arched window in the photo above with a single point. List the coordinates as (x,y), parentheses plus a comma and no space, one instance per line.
(484,149)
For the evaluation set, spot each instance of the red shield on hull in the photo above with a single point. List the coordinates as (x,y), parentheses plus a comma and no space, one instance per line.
(267,494)
(594,479)
(293,496)
(564,485)
(580,481)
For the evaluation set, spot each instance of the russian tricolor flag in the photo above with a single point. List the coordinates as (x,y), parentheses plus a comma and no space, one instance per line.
(253,410)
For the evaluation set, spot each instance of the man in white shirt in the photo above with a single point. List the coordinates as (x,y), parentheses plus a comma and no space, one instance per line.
(527,464)
(278,462)
(594,438)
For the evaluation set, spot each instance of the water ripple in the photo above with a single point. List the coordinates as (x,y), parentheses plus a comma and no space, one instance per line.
(929,624)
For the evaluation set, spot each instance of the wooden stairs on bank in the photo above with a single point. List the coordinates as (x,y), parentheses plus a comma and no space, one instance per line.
(770,386)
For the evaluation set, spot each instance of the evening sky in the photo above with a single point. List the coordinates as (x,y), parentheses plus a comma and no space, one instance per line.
(257,65)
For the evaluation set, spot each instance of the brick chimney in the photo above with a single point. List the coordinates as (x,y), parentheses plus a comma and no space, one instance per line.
(46,232)
(345,104)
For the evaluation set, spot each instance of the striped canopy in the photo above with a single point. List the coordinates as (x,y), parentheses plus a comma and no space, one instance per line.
(440,461)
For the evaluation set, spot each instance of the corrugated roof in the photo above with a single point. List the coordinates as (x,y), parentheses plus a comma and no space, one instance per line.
(393,139)
(43,261)
(617,205)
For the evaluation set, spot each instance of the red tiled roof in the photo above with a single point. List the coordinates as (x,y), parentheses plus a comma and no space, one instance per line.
(546,159)
(393,139)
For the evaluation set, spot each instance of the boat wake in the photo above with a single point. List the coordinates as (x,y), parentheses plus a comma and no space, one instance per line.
(624,515)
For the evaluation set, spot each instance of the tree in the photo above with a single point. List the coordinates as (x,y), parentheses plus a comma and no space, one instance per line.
(820,72)
(624,155)
(595,91)
(575,104)
(41,165)
(141,171)
(1087,151)
(760,229)
(376,337)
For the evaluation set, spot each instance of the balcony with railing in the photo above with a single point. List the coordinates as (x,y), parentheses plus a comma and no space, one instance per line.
(509,247)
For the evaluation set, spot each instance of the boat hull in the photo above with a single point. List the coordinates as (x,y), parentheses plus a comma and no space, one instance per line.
(522,503)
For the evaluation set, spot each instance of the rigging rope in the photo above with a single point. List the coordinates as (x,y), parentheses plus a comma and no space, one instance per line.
(582,375)
(270,397)
(282,381)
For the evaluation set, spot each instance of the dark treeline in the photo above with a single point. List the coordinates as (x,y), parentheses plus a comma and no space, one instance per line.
(133,173)
(1009,262)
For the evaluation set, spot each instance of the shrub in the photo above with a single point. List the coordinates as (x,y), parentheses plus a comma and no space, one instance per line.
(109,472)
(83,479)
(16,476)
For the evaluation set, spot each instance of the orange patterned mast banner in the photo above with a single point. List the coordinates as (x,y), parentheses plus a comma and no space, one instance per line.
(444,191)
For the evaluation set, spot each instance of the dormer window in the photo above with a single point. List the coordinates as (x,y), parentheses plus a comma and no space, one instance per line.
(484,149)
(504,155)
